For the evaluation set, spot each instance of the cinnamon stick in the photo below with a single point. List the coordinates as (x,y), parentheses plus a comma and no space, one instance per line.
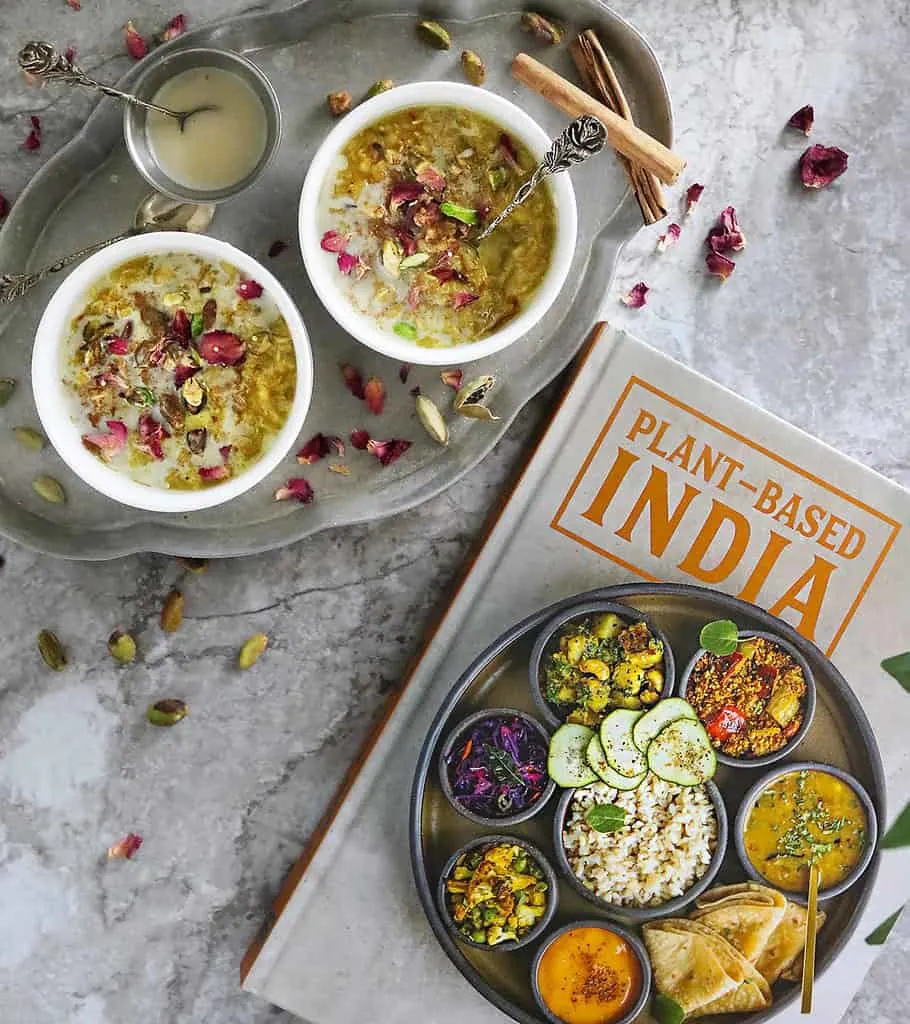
(601,80)
(624,136)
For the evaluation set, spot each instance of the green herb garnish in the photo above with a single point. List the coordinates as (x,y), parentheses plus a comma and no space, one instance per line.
(141,396)
(463,213)
(898,668)
(606,817)
(196,325)
(878,936)
(667,1010)
(503,766)
(405,330)
(720,637)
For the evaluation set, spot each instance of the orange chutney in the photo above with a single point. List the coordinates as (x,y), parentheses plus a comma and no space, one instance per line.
(589,976)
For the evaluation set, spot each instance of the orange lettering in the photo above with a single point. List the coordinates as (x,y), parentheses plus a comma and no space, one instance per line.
(704,463)
(834,524)
(657,438)
(766,562)
(733,465)
(853,533)
(719,514)
(621,465)
(655,498)
(644,423)
(816,577)
(812,519)
(682,453)
(787,513)
(767,500)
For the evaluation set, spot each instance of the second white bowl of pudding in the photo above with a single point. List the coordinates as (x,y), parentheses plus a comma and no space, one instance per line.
(391,208)
(172,372)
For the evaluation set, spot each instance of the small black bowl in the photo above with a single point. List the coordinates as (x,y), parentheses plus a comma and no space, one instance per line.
(634,942)
(542,863)
(745,809)
(811,697)
(548,640)
(641,914)
(455,735)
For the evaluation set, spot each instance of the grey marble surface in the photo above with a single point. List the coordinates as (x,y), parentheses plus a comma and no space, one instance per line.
(811,326)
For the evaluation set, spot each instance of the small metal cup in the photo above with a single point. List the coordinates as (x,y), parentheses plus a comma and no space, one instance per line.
(166,67)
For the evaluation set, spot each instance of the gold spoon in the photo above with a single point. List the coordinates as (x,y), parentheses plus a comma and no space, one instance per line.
(809,949)
(42,61)
(155,213)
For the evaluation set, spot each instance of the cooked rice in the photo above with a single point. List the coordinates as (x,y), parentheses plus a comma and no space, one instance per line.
(663,849)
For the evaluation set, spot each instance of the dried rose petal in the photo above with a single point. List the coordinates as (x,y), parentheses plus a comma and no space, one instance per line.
(70,53)
(33,139)
(182,373)
(803,119)
(407,242)
(136,46)
(726,234)
(179,329)
(175,27)
(637,296)
(315,449)
(666,241)
(214,472)
(403,372)
(107,445)
(75,4)
(453,378)
(413,298)
(277,248)
(337,445)
(333,242)
(360,439)
(430,178)
(347,263)
(225,451)
(508,150)
(460,299)
(249,289)
(118,346)
(374,394)
(221,348)
(109,379)
(296,488)
(443,274)
(404,192)
(352,380)
(693,194)
(126,848)
(719,265)
(388,451)
(151,434)
(820,165)
(4,206)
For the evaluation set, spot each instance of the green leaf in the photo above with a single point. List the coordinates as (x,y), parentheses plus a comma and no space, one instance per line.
(416,259)
(405,330)
(899,833)
(606,817)
(898,668)
(196,325)
(503,766)
(720,637)
(877,937)
(463,213)
(667,1010)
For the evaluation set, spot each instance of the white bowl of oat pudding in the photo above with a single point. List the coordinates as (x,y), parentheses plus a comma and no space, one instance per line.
(172,372)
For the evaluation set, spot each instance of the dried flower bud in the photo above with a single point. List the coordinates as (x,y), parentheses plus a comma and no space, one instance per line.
(339,102)
(803,120)
(51,650)
(167,712)
(252,650)
(403,372)
(541,28)
(383,85)
(136,46)
(452,377)
(431,418)
(122,647)
(820,165)
(172,612)
(637,296)
(434,34)
(374,394)
(475,71)
(126,848)
(360,439)
(352,380)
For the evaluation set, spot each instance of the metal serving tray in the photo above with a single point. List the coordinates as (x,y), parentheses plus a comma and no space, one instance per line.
(840,735)
(89,191)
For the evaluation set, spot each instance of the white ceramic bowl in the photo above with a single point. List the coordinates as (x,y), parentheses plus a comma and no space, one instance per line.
(55,403)
(321,266)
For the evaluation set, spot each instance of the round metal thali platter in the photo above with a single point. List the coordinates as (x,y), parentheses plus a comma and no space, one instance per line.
(840,735)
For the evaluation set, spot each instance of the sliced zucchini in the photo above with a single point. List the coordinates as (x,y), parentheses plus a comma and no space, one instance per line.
(597,759)
(566,761)
(658,718)
(616,738)
(682,753)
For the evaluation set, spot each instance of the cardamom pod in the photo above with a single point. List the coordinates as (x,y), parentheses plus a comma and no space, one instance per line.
(51,650)
(194,565)
(7,387)
(431,418)
(122,647)
(541,28)
(473,392)
(383,85)
(166,712)
(172,612)
(47,487)
(475,71)
(252,650)
(433,33)
(29,438)
(477,412)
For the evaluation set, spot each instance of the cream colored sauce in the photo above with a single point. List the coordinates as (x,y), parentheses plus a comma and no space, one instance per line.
(217,148)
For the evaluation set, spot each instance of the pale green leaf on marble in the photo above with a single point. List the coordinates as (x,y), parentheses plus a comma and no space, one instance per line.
(880,934)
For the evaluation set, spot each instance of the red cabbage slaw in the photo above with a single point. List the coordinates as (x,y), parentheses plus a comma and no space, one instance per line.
(498,767)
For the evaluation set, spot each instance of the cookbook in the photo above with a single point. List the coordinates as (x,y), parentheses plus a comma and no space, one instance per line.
(646,472)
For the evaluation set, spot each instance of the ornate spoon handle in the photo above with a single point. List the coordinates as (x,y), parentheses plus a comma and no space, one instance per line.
(14,286)
(584,137)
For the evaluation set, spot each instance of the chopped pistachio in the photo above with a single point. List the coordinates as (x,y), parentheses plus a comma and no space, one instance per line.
(172,612)
(51,650)
(122,647)
(405,330)
(433,33)
(383,85)
(29,438)
(167,712)
(251,651)
(463,213)
(49,489)
(475,71)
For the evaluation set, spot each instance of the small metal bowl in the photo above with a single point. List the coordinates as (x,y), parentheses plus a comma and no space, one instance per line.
(745,808)
(634,942)
(639,915)
(453,737)
(542,863)
(147,85)
(810,699)
(548,640)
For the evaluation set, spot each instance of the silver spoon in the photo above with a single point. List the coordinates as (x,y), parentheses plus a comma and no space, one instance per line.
(584,137)
(155,212)
(42,61)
